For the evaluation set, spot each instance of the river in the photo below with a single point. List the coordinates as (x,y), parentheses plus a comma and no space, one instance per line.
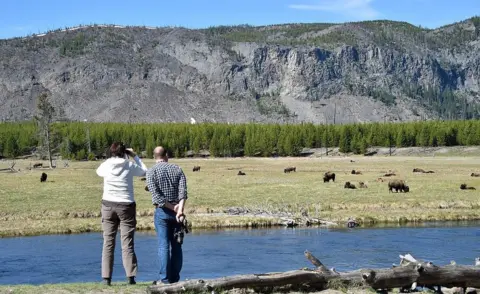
(209,254)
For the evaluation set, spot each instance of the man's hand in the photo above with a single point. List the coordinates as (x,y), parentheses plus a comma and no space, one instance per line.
(180,217)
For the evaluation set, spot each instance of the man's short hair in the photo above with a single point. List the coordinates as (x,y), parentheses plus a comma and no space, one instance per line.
(117,149)
(161,153)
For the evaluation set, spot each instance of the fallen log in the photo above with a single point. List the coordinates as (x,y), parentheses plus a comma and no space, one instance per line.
(409,274)
(10,169)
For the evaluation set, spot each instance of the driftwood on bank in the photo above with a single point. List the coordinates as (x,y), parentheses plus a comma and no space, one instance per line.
(408,275)
(10,169)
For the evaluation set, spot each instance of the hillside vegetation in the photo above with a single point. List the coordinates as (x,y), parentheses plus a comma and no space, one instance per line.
(341,73)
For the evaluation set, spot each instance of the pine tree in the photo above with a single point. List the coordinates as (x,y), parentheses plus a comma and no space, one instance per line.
(149,146)
(401,139)
(10,148)
(345,140)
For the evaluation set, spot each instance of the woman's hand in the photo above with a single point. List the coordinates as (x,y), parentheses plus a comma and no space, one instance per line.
(130,152)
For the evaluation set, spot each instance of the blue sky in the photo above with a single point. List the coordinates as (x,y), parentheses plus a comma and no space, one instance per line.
(22,17)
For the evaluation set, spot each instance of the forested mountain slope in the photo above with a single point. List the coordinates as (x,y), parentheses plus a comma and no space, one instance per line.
(351,72)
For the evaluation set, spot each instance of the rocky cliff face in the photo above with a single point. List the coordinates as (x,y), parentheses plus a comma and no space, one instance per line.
(354,72)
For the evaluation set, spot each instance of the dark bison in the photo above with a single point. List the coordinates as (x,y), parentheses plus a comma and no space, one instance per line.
(146,188)
(356,172)
(475,175)
(290,169)
(240,173)
(196,168)
(143,179)
(390,174)
(328,176)
(419,170)
(43,178)
(349,185)
(398,185)
(465,187)
(38,165)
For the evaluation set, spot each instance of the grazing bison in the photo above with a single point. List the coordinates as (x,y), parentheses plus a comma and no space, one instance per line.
(398,185)
(391,174)
(362,185)
(354,172)
(419,170)
(196,168)
(290,169)
(43,178)
(38,165)
(328,176)
(240,173)
(465,187)
(380,180)
(475,175)
(349,185)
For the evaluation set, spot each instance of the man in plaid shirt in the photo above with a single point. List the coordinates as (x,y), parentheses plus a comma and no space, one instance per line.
(168,185)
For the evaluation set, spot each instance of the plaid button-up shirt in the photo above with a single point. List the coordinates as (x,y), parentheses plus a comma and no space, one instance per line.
(166,182)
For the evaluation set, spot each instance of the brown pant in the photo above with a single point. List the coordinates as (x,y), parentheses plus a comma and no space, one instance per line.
(113,216)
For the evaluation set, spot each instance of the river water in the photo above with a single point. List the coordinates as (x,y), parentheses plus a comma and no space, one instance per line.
(209,254)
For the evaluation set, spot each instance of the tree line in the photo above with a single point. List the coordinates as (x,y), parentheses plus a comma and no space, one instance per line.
(80,141)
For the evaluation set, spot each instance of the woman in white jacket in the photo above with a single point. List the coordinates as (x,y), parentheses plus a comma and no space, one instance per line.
(119,208)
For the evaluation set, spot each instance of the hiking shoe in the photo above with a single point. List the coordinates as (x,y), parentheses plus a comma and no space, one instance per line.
(131,281)
(107,281)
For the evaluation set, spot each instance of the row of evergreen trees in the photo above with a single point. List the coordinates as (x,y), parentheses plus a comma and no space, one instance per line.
(80,141)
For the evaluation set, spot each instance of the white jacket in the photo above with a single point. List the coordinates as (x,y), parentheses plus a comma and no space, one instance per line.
(118,176)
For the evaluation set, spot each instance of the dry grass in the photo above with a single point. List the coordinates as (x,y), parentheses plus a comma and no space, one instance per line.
(89,288)
(69,201)
(140,288)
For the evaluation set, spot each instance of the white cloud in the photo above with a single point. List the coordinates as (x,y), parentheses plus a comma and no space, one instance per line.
(361,9)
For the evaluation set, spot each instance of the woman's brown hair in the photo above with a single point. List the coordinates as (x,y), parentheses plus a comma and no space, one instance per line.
(117,149)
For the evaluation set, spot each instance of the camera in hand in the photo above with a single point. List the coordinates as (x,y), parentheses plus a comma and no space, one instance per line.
(179,234)
(180,231)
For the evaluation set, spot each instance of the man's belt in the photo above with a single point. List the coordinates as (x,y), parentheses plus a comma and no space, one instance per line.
(173,203)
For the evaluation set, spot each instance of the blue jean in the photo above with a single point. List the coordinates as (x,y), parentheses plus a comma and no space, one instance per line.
(170,255)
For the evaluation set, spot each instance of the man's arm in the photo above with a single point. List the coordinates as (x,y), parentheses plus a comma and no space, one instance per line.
(153,188)
(182,187)
(182,193)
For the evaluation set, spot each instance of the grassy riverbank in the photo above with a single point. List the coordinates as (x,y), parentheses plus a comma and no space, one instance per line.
(93,288)
(76,288)
(69,201)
